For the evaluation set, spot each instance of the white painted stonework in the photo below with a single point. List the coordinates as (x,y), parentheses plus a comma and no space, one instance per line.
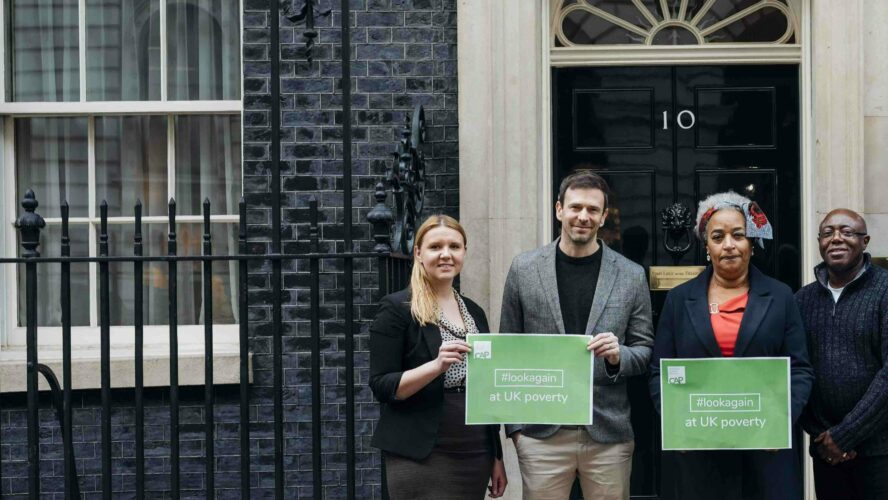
(86,366)
(501,136)
(875,126)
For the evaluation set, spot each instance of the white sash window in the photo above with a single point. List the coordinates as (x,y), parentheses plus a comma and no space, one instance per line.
(121,100)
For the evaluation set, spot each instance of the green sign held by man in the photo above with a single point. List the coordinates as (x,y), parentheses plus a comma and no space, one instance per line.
(537,379)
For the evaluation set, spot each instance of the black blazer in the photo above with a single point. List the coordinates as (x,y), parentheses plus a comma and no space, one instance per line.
(398,343)
(771,326)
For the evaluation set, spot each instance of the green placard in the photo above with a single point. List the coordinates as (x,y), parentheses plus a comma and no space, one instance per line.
(725,404)
(529,379)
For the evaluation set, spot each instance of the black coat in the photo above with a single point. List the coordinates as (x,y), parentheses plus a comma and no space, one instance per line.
(398,343)
(771,327)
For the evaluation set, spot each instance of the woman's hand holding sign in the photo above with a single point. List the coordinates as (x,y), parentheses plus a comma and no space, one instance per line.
(451,352)
(415,379)
(605,345)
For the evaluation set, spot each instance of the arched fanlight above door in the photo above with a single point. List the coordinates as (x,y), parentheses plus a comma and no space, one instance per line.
(673,22)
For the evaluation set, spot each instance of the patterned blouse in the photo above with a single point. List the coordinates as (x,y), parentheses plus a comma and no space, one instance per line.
(455,376)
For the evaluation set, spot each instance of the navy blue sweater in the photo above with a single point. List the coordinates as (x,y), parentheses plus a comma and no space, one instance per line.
(848,346)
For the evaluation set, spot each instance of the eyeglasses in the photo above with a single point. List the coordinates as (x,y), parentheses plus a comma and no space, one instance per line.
(846,233)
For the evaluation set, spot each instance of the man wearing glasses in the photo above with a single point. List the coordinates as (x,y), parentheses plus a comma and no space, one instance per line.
(845,312)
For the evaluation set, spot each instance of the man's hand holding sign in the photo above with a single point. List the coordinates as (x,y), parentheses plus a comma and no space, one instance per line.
(606,345)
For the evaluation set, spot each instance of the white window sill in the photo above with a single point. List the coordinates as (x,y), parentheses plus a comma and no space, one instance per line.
(86,365)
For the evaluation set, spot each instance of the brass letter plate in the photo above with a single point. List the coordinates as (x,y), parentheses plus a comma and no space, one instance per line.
(668,277)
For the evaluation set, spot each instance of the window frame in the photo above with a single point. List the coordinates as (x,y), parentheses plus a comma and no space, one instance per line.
(85,339)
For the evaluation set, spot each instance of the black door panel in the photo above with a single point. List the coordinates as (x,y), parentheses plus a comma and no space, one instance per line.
(661,135)
(730,118)
(628,229)
(595,111)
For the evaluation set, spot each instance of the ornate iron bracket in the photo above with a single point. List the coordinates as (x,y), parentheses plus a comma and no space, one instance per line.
(29,226)
(59,405)
(677,226)
(407,178)
(307,15)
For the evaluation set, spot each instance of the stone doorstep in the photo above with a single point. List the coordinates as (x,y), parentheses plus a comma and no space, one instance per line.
(86,366)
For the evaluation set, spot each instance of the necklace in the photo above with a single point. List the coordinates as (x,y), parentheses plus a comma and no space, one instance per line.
(713,306)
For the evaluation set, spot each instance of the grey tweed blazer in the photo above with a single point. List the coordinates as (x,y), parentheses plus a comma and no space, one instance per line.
(622,305)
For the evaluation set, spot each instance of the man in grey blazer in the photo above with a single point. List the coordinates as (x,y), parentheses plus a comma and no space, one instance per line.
(577,285)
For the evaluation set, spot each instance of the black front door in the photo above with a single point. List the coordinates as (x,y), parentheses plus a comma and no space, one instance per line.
(664,135)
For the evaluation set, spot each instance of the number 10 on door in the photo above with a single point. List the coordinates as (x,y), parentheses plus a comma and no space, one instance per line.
(685,119)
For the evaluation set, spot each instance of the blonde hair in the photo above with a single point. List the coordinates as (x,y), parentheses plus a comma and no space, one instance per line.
(423,304)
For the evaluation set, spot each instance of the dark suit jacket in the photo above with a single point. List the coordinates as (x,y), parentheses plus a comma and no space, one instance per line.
(397,344)
(622,305)
(771,326)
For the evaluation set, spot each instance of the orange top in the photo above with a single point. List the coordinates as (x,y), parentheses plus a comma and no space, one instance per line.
(726,323)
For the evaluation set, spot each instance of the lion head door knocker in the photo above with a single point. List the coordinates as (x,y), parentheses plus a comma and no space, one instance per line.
(677,230)
(407,179)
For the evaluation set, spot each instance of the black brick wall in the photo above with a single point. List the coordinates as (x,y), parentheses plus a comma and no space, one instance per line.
(404,53)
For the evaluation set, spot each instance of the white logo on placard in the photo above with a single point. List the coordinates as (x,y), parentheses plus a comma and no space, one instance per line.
(676,374)
(483,349)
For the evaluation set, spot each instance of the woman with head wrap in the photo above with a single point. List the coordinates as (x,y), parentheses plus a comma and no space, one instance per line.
(733,309)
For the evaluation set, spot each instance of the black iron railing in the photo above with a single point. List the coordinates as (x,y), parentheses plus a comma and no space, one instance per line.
(393,274)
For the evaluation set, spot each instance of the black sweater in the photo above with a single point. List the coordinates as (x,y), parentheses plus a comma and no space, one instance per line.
(577,278)
(848,346)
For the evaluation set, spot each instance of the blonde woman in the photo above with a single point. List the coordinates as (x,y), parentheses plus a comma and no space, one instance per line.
(417,373)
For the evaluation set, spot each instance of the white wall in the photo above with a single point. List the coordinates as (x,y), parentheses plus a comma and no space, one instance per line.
(875,39)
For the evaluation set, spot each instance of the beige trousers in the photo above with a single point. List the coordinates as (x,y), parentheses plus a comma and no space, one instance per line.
(549,466)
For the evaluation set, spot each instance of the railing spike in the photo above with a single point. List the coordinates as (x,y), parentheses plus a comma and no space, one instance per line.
(206,222)
(66,240)
(103,225)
